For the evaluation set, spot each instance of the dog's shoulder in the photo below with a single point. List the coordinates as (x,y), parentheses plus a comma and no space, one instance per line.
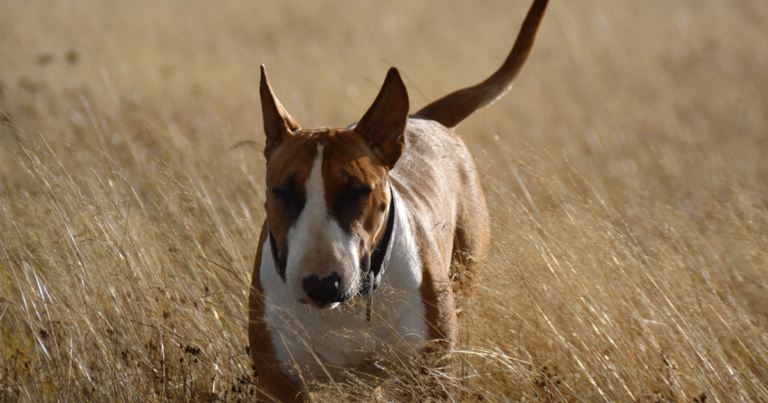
(434,165)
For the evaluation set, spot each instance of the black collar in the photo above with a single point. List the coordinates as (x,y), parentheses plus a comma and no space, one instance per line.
(379,258)
(280,261)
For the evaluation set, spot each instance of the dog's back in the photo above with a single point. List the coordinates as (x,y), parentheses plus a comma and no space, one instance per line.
(446,200)
(441,171)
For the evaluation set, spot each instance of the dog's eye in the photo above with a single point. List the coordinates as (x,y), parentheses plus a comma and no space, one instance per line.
(354,193)
(289,198)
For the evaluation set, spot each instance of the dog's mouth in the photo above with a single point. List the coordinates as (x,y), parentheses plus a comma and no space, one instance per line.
(351,300)
(324,305)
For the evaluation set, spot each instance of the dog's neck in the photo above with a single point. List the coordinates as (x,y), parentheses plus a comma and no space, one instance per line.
(379,259)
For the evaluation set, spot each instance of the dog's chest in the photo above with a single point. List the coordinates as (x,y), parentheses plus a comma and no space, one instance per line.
(326,342)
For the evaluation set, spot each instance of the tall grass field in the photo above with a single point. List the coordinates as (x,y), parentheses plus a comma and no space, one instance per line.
(626,174)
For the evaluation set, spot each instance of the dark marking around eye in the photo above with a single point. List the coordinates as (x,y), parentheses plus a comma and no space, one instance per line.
(289,197)
(351,196)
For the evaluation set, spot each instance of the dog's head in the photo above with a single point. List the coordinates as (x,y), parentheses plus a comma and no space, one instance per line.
(328,193)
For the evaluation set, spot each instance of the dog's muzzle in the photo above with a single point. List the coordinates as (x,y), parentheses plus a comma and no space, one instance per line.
(327,290)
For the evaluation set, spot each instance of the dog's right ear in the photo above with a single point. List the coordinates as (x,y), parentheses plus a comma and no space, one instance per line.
(278,124)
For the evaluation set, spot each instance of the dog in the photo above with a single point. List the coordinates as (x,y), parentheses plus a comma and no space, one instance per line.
(364,227)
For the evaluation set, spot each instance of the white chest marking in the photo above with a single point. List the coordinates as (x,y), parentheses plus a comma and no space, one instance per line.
(326,342)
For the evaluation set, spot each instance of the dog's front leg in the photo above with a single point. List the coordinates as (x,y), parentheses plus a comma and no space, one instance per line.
(270,381)
(440,313)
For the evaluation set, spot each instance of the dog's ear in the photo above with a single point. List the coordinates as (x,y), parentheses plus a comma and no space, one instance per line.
(278,124)
(383,126)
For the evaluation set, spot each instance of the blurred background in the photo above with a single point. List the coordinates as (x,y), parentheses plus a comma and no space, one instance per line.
(686,78)
(635,138)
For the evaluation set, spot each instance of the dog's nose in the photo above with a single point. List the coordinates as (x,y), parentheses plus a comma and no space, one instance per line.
(323,291)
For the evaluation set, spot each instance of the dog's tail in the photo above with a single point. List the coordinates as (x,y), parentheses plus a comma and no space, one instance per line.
(453,108)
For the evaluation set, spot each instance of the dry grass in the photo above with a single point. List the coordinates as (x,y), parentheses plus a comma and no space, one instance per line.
(626,174)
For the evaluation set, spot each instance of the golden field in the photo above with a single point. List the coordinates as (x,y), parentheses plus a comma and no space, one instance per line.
(626,174)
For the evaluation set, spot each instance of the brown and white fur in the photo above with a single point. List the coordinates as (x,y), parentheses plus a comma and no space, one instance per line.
(328,202)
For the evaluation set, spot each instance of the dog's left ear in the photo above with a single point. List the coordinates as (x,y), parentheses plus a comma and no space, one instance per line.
(383,126)
(278,124)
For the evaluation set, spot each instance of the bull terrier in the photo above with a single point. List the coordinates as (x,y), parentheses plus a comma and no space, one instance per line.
(368,229)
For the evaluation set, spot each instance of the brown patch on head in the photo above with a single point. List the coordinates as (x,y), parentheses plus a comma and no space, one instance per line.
(356,188)
(287,173)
